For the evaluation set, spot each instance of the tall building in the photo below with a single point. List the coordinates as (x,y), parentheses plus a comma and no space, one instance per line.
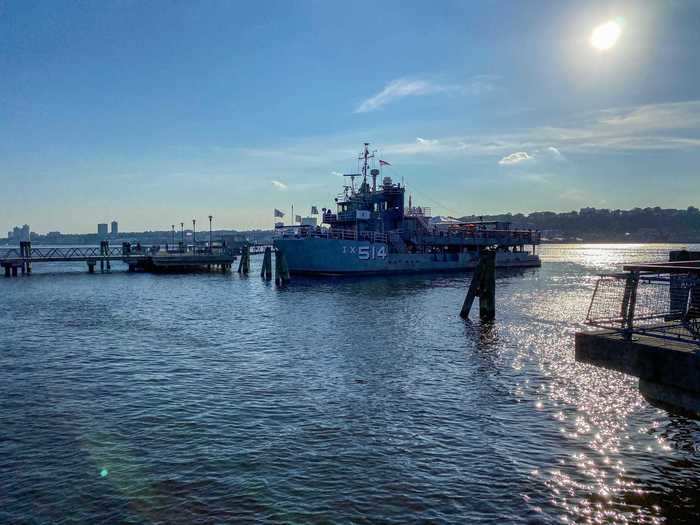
(19,234)
(115,228)
(102,228)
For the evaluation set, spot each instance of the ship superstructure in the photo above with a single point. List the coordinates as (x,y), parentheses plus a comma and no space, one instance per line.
(372,231)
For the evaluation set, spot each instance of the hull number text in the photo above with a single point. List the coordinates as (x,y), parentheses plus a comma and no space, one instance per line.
(366,252)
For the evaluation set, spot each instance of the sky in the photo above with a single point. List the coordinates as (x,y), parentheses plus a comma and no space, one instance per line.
(157,112)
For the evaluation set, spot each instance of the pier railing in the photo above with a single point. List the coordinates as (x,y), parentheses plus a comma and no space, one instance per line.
(659,300)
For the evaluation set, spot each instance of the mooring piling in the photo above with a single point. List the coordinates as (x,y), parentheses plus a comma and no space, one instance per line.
(483,286)
(266,270)
(244,265)
(281,268)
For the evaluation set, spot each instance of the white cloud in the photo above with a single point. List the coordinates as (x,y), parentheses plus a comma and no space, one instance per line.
(279,185)
(554,152)
(612,130)
(406,87)
(427,142)
(336,173)
(396,89)
(515,158)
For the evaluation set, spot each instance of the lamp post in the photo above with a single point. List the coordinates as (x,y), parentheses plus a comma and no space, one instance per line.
(194,236)
(182,236)
(210,218)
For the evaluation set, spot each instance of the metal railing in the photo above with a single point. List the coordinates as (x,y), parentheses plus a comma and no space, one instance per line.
(96,252)
(300,232)
(501,236)
(418,211)
(657,302)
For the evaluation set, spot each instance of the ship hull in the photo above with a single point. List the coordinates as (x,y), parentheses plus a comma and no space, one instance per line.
(345,257)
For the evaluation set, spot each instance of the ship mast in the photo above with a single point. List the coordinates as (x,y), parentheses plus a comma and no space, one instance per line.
(365,156)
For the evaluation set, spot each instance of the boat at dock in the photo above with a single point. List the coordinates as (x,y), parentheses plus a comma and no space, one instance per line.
(373,232)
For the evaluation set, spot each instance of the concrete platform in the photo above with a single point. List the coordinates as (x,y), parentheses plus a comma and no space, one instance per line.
(668,371)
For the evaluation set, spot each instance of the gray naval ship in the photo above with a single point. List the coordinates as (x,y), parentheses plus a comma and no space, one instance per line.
(372,232)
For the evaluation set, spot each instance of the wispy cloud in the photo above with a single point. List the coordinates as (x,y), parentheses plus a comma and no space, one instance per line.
(396,89)
(279,185)
(515,158)
(674,126)
(407,87)
(336,173)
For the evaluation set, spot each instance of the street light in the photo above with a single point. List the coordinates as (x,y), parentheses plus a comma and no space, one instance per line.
(194,236)
(210,218)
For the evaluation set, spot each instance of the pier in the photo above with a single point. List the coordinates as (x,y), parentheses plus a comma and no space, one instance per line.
(647,324)
(14,261)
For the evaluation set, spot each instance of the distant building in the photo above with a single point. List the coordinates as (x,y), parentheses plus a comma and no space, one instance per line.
(115,228)
(102,228)
(19,234)
(309,221)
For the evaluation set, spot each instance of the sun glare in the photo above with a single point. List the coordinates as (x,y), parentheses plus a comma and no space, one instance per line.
(606,35)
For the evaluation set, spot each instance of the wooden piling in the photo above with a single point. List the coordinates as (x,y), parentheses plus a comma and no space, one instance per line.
(266,270)
(281,268)
(487,298)
(244,265)
(483,286)
(28,262)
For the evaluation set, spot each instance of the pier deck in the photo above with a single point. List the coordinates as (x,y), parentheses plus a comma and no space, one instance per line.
(668,371)
(648,322)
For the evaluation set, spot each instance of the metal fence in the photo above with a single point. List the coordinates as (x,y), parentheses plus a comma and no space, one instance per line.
(663,305)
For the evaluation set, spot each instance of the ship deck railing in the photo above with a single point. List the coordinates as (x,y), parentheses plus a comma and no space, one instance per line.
(497,236)
(418,211)
(301,232)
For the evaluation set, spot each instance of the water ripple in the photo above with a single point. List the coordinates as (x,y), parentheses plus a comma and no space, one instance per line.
(214,398)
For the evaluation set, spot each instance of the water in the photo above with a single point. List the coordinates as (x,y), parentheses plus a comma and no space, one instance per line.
(137,398)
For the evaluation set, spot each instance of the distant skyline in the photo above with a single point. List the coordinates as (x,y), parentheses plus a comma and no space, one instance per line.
(152,113)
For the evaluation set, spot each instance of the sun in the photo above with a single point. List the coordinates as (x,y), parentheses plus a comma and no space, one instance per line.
(606,35)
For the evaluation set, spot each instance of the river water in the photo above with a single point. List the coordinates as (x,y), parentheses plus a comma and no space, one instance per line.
(210,398)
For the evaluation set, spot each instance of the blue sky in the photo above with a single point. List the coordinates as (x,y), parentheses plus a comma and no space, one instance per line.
(153,113)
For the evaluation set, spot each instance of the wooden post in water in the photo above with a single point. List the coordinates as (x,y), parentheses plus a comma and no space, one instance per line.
(487,299)
(281,268)
(244,265)
(266,271)
(483,286)
(22,254)
(28,255)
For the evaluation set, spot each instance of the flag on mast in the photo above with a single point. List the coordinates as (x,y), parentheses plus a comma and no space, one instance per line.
(383,163)
(279,213)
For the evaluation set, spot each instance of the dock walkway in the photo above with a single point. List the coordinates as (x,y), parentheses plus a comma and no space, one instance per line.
(153,258)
